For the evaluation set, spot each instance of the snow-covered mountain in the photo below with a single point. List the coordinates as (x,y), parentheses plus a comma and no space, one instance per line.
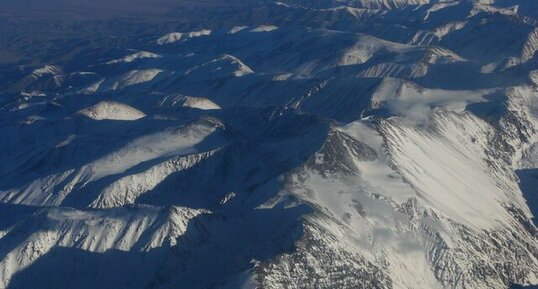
(292,144)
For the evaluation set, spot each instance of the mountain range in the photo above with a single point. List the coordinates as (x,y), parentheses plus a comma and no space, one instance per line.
(261,144)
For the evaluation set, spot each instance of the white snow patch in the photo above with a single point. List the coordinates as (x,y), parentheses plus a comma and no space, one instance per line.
(282,77)
(111,110)
(135,77)
(173,141)
(47,70)
(236,29)
(264,28)
(177,36)
(135,56)
(127,189)
(416,104)
(447,167)
(199,103)
(223,66)
(227,198)
(93,88)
